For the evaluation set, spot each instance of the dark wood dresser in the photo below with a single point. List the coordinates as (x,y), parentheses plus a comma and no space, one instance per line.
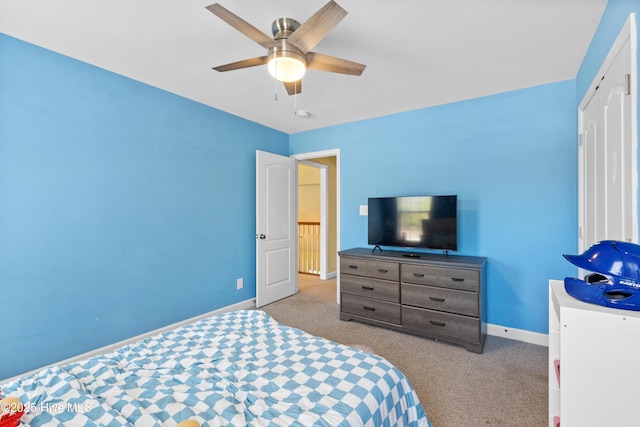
(434,295)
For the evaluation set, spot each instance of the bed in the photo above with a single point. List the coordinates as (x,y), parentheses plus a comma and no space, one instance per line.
(237,368)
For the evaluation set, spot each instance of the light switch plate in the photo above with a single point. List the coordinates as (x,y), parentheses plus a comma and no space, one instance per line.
(364,210)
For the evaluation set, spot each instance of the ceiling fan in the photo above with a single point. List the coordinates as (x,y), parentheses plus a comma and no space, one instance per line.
(289,51)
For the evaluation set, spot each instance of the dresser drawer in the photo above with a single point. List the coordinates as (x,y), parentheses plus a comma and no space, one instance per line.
(370,288)
(446,324)
(451,300)
(370,268)
(371,308)
(466,280)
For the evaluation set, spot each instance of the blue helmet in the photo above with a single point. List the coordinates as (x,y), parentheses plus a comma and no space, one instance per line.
(616,279)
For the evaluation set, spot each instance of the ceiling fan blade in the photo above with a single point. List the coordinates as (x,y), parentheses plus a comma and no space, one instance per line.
(241,25)
(319,61)
(309,34)
(293,87)
(253,62)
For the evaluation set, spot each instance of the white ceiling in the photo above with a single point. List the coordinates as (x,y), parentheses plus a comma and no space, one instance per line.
(418,53)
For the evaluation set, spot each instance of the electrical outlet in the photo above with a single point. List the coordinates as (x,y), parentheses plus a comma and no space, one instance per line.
(240,283)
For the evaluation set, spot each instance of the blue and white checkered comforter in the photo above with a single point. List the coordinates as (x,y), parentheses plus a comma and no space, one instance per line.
(239,368)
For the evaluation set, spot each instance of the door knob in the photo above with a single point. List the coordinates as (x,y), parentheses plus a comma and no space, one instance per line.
(262,237)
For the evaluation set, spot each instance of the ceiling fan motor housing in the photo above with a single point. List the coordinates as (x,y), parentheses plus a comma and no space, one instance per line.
(285,53)
(283,27)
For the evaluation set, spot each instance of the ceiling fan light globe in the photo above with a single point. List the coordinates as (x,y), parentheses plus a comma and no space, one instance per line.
(286,68)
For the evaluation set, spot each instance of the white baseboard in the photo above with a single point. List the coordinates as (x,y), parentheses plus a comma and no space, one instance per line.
(242,305)
(518,334)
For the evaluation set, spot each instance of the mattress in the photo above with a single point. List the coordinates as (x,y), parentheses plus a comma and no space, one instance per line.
(240,368)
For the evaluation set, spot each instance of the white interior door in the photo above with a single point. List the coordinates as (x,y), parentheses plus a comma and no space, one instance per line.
(276,227)
(608,171)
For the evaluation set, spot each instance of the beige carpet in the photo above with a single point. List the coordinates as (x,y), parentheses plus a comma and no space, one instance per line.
(504,386)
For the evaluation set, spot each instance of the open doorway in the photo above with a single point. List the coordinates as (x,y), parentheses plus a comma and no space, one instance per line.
(312,219)
(328,160)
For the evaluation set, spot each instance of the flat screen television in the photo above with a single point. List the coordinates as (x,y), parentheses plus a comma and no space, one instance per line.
(429,222)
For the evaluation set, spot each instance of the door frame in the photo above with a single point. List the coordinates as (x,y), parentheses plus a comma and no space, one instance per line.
(324,215)
(329,153)
(628,32)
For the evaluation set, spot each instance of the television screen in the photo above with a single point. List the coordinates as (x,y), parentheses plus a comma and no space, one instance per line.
(419,222)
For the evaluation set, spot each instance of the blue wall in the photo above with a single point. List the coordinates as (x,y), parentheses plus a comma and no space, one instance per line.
(118,200)
(511,159)
(123,208)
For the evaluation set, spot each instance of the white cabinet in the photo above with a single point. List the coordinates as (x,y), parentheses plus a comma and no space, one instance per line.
(594,363)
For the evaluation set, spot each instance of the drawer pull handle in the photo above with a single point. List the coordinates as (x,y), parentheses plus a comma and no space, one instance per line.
(353,266)
(418,275)
(368,308)
(434,323)
(436,299)
(382,270)
(456,279)
(367,288)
